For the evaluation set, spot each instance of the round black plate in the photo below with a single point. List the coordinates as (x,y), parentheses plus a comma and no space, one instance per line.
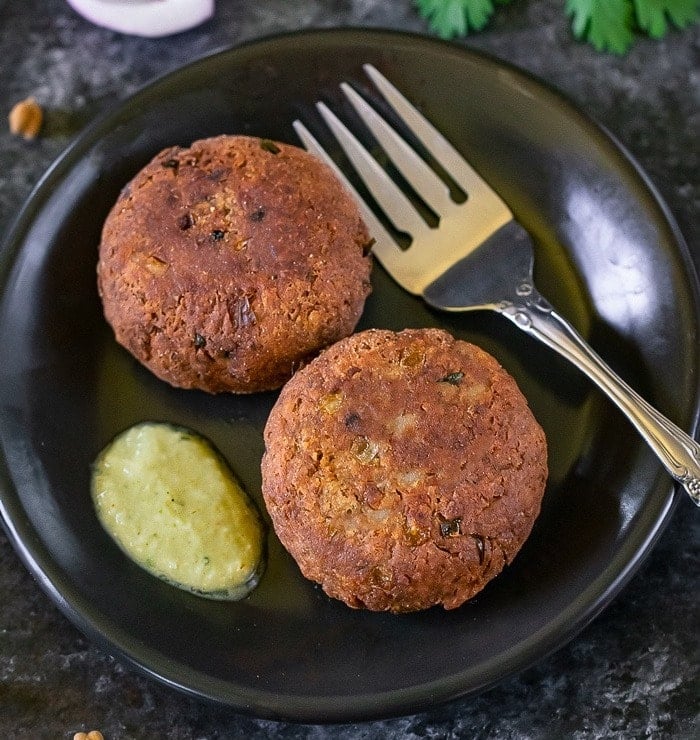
(608,257)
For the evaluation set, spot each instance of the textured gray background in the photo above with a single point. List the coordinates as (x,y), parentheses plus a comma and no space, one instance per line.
(634,671)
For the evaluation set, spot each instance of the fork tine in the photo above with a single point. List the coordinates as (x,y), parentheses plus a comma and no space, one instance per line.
(421,177)
(388,195)
(373,223)
(440,148)
(385,249)
(462,227)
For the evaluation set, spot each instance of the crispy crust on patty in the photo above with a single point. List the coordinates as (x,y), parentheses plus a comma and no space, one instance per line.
(226,265)
(403,470)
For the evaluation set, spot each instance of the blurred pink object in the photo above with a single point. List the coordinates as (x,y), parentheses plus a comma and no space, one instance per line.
(150,18)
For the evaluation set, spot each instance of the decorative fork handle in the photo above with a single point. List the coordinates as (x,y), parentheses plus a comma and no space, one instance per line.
(678,452)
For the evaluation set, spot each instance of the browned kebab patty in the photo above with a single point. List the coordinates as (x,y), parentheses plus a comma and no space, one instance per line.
(403,470)
(226,265)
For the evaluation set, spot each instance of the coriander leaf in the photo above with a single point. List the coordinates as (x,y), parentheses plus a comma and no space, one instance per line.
(607,24)
(450,18)
(652,15)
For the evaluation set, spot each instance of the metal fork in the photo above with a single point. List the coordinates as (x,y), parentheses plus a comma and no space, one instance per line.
(478,237)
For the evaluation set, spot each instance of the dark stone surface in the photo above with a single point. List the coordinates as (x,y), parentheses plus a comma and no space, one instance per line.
(634,672)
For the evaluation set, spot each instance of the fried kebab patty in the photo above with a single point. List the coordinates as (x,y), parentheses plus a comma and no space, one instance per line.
(403,470)
(226,265)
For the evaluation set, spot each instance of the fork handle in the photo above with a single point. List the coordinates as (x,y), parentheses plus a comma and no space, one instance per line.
(678,452)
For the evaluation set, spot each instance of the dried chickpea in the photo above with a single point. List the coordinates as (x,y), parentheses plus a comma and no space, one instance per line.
(25,119)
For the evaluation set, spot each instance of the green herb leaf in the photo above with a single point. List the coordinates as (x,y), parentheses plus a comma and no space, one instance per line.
(607,24)
(454,378)
(653,15)
(450,18)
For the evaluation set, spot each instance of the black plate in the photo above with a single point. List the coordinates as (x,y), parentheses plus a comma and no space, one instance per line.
(608,256)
